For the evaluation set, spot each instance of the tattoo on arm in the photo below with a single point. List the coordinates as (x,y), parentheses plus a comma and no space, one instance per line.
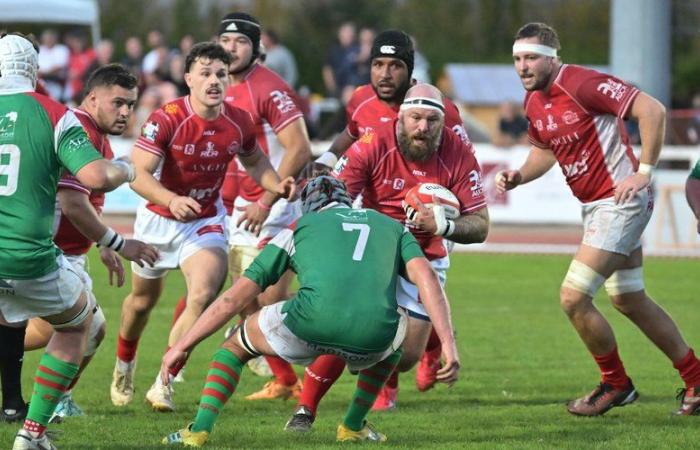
(471,228)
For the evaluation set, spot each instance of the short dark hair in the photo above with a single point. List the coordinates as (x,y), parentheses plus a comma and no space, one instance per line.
(545,34)
(110,75)
(209,50)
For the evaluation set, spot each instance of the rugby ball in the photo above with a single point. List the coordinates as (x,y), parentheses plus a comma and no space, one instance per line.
(425,193)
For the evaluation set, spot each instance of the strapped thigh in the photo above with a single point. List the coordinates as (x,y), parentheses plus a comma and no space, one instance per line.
(245,342)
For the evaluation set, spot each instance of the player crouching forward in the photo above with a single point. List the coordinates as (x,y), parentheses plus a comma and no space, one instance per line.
(187,144)
(332,247)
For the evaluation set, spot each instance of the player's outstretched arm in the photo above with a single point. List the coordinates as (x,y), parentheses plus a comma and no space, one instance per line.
(295,140)
(105,175)
(421,273)
(259,168)
(472,228)
(326,162)
(75,205)
(227,305)
(182,207)
(538,162)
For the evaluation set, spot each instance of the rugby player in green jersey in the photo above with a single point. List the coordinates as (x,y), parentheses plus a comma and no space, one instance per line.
(39,138)
(347,261)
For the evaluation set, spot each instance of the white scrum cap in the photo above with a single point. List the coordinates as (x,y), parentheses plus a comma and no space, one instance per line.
(18,58)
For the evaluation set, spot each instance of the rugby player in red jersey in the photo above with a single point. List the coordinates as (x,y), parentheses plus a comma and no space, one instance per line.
(576,119)
(181,159)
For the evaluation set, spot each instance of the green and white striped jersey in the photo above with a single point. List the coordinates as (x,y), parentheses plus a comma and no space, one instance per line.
(38,138)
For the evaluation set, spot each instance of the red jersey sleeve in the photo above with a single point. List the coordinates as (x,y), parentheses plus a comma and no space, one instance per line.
(599,92)
(156,133)
(467,182)
(532,133)
(280,107)
(350,109)
(453,121)
(354,168)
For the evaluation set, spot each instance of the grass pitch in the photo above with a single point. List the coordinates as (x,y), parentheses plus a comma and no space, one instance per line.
(521,361)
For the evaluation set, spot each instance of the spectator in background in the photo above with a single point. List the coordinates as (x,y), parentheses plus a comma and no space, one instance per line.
(104,51)
(156,59)
(53,63)
(176,72)
(361,75)
(278,58)
(421,69)
(80,59)
(512,126)
(133,58)
(339,69)
(186,43)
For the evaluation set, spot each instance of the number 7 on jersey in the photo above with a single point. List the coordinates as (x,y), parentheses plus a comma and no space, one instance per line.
(363,228)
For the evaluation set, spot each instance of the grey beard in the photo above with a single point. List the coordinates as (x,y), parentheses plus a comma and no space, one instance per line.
(414,153)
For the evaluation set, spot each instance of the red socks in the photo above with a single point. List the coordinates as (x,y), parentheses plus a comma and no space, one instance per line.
(612,370)
(433,342)
(689,369)
(179,308)
(126,350)
(319,376)
(393,380)
(282,370)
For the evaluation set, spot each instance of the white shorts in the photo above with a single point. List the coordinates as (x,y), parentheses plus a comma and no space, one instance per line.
(617,228)
(51,294)
(282,215)
(407,292)
(298,351)
(79,263)
(177,241)
(240,257)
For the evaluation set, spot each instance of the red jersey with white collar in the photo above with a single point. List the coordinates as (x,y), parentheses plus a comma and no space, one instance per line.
(195,152)
(273,105)
(365,112)
(580,118)
(375,166)
(67,237)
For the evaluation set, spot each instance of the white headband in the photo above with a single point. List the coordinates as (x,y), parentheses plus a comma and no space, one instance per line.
(422,102)
(540,49)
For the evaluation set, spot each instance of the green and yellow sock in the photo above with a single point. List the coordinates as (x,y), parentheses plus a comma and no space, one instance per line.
(369,383)
(52,379)
(221,382)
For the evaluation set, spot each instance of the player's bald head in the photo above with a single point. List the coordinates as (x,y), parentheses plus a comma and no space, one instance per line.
(423,95)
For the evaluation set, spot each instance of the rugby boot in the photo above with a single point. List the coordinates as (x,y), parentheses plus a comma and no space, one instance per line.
(367,433)
(386,400)
(187,437)
(301,421)
(273,390)
(122,389)
(690,401)
(602,399)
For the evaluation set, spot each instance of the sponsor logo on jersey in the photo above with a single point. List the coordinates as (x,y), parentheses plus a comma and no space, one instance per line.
(150,131)
(209,132)
(614,89)
(209,167)
(570,117)
(209,152)
(282,101)
(7,125)
(538,125)
(477,183)
(387,49)
(233,148)
(340,165)
(385,119)
(419,173)
(398,184)
(171,108)
(462,134)
(368,137)
(189,149)
(78,142)
(548,106)
(577,168)
(177,147)
(199,194)
(551,124)
(566,139)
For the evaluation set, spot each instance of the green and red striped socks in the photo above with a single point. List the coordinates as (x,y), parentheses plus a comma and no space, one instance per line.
(369,383)
(221,382)
(52,379)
